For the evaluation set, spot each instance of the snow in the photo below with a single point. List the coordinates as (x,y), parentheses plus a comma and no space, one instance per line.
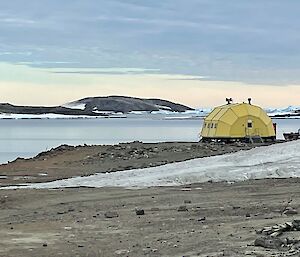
(199,112)
(103,112)
(275,161)
(164,112)
(282,111)
(138,112)
(162,107)
(274,114)
(75,105)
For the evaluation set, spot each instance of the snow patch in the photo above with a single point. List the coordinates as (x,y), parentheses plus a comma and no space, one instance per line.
(275,161)
(138,112)
(103,112)
(162,107)
(75,106)
(164,112)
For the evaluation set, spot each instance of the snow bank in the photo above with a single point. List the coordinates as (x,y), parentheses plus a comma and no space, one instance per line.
(276,161)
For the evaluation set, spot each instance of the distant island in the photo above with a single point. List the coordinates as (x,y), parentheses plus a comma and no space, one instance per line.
(99,106)
(120,106)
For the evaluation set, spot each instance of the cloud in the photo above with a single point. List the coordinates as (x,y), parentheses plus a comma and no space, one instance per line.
(39,63)
(16,21)
(115,71)
(248,41)
(158,22)
(16,53)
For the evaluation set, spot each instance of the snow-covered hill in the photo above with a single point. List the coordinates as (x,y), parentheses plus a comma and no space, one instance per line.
(125,104)
(94,107)
(290,110)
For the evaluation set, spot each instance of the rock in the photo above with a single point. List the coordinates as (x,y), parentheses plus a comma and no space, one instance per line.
(248,215)
(111,214)
(268,242)
(156,150)
(121,252)
(186,189)
(296,225)
(290,211)
(202,219)
(140,212)
(182,208)
(187,201)
(45,245)
(276,234)
(154,209)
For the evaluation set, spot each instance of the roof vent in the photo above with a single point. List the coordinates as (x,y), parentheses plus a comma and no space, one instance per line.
(229,100)
(249,100)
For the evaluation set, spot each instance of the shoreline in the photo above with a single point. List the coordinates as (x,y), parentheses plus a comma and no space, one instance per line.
(122,116)
(74,161)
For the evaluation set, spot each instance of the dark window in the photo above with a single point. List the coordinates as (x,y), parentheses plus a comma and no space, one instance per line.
(212,125)
(215,125)
(249,125)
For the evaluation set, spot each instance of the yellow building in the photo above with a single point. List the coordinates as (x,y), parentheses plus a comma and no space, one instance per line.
(238,121)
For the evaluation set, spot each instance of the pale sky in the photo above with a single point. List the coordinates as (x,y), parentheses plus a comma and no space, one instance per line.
(196,52)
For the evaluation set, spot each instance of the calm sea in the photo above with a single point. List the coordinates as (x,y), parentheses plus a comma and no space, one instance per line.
(26,138)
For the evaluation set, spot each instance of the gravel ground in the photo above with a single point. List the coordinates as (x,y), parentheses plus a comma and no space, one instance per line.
(210,219)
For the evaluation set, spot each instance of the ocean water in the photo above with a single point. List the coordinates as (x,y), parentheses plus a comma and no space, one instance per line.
(28,137)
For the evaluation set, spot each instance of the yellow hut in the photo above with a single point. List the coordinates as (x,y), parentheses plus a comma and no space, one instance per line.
(238,121)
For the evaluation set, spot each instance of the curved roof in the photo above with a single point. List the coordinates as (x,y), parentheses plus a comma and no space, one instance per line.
(230,113)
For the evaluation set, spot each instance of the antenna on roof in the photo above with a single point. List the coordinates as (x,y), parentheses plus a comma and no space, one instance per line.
(229,100)
(249,100)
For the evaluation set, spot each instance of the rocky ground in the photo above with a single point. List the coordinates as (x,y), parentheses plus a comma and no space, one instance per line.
(211,219)
(68,161)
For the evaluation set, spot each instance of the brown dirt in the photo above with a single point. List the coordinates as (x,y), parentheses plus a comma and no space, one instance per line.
(71,222)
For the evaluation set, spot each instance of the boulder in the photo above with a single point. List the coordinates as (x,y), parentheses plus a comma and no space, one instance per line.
(111,214)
